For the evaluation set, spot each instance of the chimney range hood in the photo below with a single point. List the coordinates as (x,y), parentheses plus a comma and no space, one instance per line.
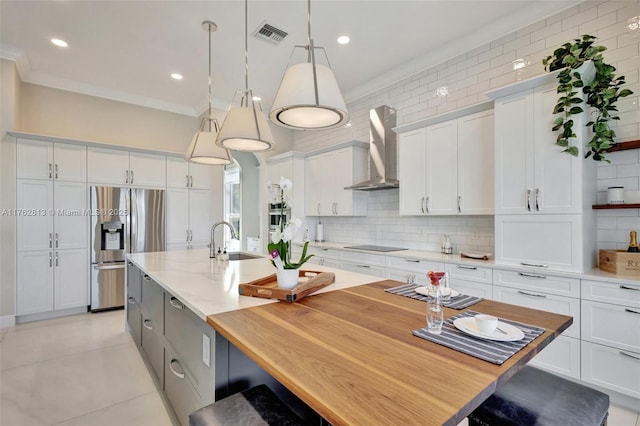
(383,168)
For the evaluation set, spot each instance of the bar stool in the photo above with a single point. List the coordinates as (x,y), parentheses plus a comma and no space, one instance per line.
(535,397)
(255,406)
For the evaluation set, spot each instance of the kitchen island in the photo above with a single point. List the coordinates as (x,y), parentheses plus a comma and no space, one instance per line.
(347,351)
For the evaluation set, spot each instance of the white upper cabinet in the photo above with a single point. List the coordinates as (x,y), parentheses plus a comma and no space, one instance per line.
(51,161)
(326,176)
(532,174)
(182,174)
(116,167)
(447,168)
(35,223)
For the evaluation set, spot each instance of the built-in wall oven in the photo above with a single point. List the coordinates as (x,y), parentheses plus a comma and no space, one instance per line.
(278,212)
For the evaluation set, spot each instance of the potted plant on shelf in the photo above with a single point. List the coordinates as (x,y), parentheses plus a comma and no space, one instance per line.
(279,247)
(602,91)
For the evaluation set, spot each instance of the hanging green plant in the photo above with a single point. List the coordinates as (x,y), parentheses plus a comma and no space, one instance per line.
(601,93)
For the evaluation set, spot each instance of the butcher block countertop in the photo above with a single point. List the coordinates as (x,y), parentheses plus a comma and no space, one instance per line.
(351,356)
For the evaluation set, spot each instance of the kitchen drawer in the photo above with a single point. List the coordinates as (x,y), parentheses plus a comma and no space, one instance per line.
(611,325)
(153,303)
(538,281)
(479,274)
(420,266)
(362,268)
(184,331)
(181,393)
(562,356)
(404,276)
(619,294)
(134,319)
(611,368)
(544,302)
(363,258)
(472,288)
(323,252)
(153,347)
(134,281)
(318,260)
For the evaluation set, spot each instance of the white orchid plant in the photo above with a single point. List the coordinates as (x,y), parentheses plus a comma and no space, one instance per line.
(281,237)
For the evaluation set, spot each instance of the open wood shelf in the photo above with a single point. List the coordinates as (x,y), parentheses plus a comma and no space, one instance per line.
(623,146)
(615,206)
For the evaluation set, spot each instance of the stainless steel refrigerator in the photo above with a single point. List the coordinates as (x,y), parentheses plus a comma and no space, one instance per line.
(123,220)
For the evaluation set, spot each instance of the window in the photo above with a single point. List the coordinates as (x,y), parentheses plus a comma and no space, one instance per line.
(232,205)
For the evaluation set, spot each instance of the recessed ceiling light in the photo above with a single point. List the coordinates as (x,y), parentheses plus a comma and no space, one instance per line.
(59,43)
(343,39)
(176,76)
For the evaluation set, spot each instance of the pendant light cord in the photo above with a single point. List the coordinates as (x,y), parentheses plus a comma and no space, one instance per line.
(209,116)
(246,47)
(312,55)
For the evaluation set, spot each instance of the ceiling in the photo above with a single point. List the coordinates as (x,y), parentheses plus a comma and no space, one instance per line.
(126,50)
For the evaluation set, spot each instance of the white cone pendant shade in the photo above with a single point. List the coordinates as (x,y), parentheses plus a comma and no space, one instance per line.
(245,129)
(203,148)
(295,103)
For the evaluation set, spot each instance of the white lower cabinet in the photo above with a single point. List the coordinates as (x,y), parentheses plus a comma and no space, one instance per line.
(408,269)
(611,368)
(562,356)
(611,325)
(364,263)
(471,280)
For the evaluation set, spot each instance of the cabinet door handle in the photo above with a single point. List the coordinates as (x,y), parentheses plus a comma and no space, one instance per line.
(190,235)
(56,171)
(148,327)
(130,263)
(56,240)
(426,204)
(536,265)
(472,268)
(146,277)
(191,181)
(324,249)
(187,231)
(522,274)
(50,240)
(131,174)
(176,303)
(187,176)
(412,260)
(126,176)
(57,260)
(50,171)
(50,261)
(178,374)
(459,203)
(537,194)
(334,207)
(629,355)
(318,209)
(528,199)
(131,300)
(363,266)
(543,296)
(626,287)
(631,311)
(422,204)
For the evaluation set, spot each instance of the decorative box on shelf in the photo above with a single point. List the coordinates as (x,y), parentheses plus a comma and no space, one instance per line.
(620,262)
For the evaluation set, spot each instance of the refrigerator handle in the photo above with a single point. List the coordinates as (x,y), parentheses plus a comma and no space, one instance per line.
(131,221)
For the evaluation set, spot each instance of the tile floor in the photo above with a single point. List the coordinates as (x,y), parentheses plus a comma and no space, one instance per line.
(84,370)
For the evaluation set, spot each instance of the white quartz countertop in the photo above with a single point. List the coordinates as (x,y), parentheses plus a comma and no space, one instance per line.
(207,286)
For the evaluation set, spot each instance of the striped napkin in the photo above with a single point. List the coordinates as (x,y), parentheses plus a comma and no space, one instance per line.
(459,302)
(488,350)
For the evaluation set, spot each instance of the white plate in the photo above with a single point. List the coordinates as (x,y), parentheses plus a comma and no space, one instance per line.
(468,325)
(425,291)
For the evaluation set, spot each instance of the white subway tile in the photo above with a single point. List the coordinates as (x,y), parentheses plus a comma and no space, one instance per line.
(546,31)
(576,19)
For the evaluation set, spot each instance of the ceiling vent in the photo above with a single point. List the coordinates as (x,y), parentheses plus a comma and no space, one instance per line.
(269,33)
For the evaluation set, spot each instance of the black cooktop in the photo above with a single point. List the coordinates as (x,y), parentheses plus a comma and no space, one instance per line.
(369,247)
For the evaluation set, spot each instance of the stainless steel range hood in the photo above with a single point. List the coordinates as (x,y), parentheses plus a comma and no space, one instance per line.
(383,167)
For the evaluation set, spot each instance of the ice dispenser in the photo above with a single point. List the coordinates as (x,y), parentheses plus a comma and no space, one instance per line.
(112,235)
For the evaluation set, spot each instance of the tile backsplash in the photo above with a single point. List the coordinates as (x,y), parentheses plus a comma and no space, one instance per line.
(468,77)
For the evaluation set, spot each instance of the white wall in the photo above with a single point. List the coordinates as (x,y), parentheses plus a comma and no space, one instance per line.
(468,77)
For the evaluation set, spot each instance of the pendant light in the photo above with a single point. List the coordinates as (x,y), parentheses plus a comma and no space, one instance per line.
(203,148)
(309,96)
(245,128)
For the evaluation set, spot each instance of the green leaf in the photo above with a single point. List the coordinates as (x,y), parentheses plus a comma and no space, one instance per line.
(575,110)
(573,150)
(625,92)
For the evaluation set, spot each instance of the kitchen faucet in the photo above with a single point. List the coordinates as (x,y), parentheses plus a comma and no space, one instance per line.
(212,243)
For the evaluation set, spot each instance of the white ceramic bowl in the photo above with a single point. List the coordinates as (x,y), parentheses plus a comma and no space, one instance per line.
(486,323)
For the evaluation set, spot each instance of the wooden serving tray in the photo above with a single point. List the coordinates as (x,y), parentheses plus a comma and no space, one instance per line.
(267,287)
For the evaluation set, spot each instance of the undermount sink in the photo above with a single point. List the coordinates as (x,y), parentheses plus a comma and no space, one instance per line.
(242,256)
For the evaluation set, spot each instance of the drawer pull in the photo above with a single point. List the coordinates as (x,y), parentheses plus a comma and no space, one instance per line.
(130,263)
(148,327)
(146,277)
(629,355)
(176,303)
(413,260)
(324,249)
(543,296)
(522,274)
(363,266)
(631,311)
(626,287)
(178,374)
(131,300)
(471,268)
(535,265)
